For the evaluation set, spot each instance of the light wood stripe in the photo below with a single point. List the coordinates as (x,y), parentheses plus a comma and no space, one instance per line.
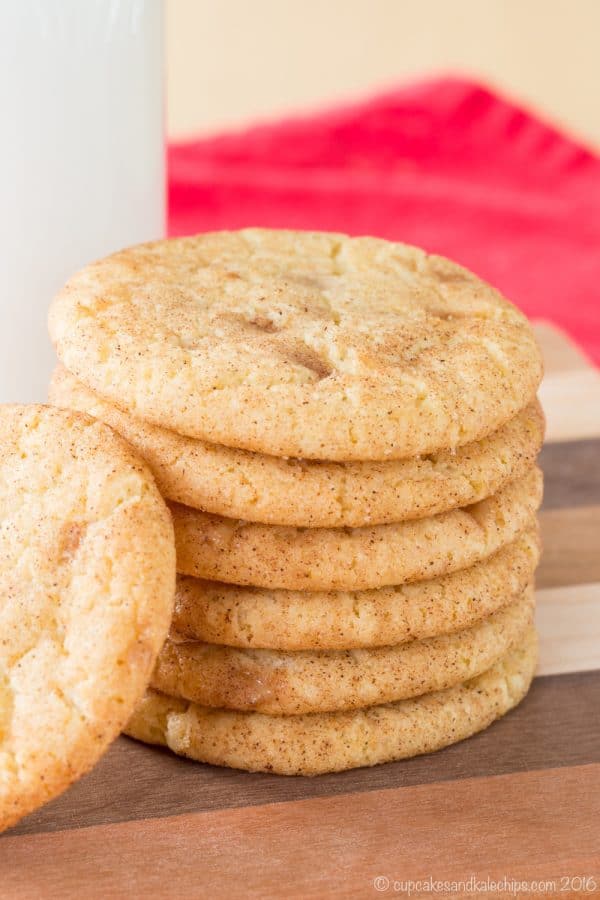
(568,621)
(528,825)
(570,392)
(571,401)
(561,354)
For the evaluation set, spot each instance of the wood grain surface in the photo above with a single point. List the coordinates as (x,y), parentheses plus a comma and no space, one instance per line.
(540,824)
(519,801)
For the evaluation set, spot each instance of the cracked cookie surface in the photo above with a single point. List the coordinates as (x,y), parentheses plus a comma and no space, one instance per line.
(86,584)
(269,489)
(302,344)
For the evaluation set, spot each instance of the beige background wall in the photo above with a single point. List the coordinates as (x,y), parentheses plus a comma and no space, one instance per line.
(232,61)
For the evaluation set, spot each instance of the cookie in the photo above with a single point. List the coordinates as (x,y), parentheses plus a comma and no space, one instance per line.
(331,742)
(268,489)
(248,617)
(287,684)
(87,577)
(339,559)
(301,344)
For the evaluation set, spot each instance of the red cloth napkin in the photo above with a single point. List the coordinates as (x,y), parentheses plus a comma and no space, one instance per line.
(446,164)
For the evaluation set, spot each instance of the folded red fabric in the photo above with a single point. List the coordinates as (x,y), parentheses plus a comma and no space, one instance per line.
(446,164)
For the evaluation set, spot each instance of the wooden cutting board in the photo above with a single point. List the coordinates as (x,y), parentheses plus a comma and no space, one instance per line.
(520,801)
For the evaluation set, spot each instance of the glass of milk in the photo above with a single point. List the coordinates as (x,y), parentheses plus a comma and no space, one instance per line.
(81,158)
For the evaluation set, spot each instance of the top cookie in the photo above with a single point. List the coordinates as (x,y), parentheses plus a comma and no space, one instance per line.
(87,574)
(299,344)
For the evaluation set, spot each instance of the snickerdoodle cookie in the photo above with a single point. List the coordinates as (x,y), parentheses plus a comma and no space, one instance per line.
(87,576)
(303,344)
(259,488)
(330,742)
(237,616)
(287,683)
(339,559)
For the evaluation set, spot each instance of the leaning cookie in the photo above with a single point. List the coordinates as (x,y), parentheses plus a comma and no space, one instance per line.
(249,617)
(301,344)
(260,488)
(331,742)
(338,559)
(87,576)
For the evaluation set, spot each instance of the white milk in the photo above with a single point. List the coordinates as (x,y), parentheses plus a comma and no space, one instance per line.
(81,158)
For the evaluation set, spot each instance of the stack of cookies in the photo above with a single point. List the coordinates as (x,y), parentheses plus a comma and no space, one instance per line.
(346,430)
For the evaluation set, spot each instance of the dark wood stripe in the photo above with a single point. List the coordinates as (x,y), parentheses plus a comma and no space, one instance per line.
(571,547)
(526,826)
(556,725)
(571,473)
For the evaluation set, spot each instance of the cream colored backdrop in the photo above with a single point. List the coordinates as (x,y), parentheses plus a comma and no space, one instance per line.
(232,61)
